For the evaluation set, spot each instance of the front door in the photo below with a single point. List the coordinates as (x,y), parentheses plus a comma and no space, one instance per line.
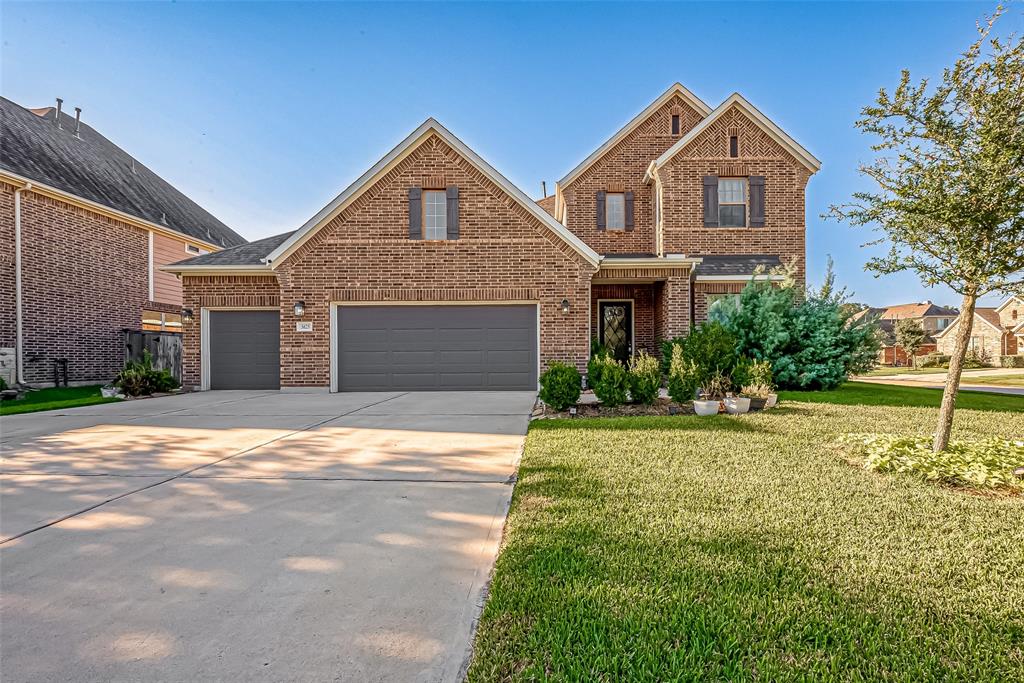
(616,331)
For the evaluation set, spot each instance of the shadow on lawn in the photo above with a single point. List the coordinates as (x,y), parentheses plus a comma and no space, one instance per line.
(615,601)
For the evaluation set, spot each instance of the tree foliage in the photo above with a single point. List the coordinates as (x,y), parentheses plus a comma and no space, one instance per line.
(948,176)
(910,336)
(811,340)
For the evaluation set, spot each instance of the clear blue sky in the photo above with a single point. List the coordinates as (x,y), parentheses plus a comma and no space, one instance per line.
(263,112)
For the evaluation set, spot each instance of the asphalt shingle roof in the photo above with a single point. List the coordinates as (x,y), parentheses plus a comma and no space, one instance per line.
(251,254)
(92,167)
(736,265)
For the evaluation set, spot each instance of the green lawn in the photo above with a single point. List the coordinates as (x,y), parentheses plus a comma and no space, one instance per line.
(744,548)
(886,371)
(1000,380)
(55,398)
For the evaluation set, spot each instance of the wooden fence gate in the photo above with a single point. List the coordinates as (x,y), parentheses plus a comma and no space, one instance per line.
(165,347)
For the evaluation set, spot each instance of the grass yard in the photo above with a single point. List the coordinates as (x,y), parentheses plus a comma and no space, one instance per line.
(55,398)
(886,371)
(1001,380)
(744,548)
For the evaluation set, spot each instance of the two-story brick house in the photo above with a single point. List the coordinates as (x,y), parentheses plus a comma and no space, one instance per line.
(432,271)
(84,230)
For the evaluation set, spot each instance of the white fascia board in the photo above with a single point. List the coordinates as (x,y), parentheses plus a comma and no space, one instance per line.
(212,269)
(393,158)
(673,261)
(740,278)
(675,89)
(766,124)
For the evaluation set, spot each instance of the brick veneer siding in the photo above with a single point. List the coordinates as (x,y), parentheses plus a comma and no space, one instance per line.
(84,279)
(708,154)
(671,308)
(623,167)
(230,291)
(503,252)
(8,324)
(643,311)
(890,355)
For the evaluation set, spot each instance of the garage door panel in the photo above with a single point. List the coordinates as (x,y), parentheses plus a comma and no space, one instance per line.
(437,347)
(245,350)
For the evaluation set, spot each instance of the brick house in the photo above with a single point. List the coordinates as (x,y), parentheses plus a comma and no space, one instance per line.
(996,332)
(432,271)
(933,319)
(84,229)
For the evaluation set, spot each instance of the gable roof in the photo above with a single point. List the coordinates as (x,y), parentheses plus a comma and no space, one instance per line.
(917,310)
(986,315)
(766,124)
(1009,300)
(634,123)
(251,255)
(390,160)
(91,167)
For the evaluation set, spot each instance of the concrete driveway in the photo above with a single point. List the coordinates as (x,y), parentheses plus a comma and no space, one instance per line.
(253,535)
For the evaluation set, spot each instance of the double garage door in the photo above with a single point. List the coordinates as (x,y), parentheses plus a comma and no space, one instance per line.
(389,348)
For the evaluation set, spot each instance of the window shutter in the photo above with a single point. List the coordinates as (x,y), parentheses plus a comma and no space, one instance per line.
(629,211)
(453,212)
(757,201)
(710,201)
(600,210)
(415,213)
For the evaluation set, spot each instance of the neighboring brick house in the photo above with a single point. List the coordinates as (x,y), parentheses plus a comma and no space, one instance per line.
(84,229)
(432,271)
(996,331)
(933,319)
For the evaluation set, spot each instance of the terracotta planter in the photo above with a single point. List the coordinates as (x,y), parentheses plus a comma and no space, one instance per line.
(737,405)
(706,407)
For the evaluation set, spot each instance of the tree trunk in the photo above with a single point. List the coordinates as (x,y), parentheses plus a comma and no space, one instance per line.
(956,367)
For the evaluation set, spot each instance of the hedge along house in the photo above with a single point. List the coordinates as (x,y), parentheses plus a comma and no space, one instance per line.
(432,271)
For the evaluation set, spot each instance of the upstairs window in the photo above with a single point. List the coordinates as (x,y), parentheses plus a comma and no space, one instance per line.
(675,124)
(732,202)
(435,215)
(615,210)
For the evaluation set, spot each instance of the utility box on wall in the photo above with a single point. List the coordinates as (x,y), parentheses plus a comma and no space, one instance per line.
(7,369)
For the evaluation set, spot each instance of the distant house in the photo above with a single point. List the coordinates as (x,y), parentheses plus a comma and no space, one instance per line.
(84,229)
(996,331)
(934,319)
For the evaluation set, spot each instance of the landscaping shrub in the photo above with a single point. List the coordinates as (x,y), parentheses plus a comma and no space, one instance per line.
(977,358)
(560,385)
(683,376)
(759,381)
(140,378)
(715,385)
(810,340)
(983,463)
(598,354)
(933,360)
(644,378)
(3,384)
(1005,361)
(608,379)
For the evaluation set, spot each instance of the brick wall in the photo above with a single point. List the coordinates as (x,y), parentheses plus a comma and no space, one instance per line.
(84,279)
(622,168)
(701,290)
(8,322)
(222,291)
(503,253)
(708,154)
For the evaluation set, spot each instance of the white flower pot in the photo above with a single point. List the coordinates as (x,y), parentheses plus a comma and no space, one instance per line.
(771,400)
(705,407)
(737,405)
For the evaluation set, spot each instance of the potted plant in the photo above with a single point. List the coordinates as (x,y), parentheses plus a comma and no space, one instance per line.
(736,405)
(712,391)
(761,385)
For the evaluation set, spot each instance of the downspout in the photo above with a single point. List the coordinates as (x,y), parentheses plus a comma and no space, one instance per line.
(19,349)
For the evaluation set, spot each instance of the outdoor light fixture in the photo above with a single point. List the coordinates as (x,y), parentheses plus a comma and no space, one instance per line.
(565,305)
(186,315)
(300,308)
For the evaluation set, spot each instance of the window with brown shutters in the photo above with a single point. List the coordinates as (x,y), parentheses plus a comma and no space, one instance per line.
(710,201)
(600,209)
(756,201)
(415,213)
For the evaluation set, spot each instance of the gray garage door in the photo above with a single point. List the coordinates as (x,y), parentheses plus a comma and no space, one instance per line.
(245,350)
(412,348)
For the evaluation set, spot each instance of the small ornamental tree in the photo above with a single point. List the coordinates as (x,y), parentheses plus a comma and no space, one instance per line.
(949,184)
(910,337)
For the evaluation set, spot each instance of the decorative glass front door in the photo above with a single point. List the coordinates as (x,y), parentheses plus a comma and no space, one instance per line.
(616,332)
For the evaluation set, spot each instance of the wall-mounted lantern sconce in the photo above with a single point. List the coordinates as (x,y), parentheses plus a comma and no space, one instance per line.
(300,308)
(186,315)
(565,306)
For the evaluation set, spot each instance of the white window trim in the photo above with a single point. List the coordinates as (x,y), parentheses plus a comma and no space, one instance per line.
(443,215)
(745,184)
(193,249)
(608,213)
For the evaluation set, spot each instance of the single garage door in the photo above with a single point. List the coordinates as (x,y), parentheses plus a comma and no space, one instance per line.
(416,348)
(245,350)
